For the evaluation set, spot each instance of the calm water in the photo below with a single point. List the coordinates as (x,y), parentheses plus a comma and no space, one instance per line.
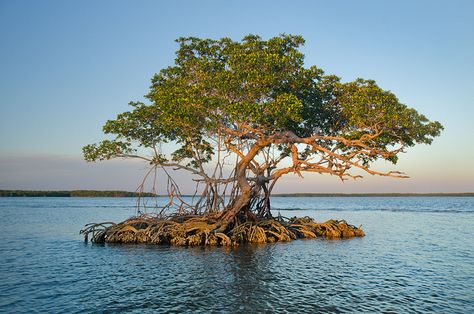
(417,257)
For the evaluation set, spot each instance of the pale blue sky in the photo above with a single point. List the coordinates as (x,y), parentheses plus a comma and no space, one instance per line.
(68,66)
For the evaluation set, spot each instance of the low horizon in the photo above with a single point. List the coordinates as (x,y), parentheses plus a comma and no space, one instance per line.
(256,112)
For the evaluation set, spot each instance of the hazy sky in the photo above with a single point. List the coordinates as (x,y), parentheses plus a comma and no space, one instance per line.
(68,66)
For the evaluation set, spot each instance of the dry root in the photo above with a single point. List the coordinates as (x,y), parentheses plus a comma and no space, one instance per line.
(200,230)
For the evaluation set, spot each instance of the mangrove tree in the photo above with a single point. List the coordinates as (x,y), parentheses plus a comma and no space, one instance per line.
(240,115)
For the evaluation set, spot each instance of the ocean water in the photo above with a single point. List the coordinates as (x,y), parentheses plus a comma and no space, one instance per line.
(417,257)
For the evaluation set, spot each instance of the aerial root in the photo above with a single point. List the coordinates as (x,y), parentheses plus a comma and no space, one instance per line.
(201,230)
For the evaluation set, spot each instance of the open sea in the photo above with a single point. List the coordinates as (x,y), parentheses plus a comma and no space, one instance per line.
(417,257)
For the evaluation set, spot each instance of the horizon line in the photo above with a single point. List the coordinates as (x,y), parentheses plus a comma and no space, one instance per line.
(305,194)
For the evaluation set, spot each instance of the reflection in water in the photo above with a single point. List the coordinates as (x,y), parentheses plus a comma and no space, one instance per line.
(252,276)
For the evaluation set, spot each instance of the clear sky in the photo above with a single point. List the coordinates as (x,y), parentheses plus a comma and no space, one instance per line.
(68,66)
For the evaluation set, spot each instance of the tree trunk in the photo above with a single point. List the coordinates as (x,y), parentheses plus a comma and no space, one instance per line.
(241,203)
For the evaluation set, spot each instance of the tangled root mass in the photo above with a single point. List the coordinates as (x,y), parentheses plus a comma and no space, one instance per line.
(201,230)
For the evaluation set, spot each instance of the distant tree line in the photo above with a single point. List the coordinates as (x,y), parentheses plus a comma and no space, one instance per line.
(75,193)
(467,194)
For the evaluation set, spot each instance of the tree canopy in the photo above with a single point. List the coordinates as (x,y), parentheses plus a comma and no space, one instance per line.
(255,103)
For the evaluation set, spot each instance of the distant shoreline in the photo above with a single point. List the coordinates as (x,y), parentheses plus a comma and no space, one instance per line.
(73,193)
(95,193)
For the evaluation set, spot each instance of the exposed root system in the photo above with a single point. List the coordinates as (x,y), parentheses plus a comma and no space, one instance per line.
(202,230)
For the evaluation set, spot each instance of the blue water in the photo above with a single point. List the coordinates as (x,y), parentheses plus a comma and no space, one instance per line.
(417,257)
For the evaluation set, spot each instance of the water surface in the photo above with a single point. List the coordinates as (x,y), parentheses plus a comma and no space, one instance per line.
(417,256)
